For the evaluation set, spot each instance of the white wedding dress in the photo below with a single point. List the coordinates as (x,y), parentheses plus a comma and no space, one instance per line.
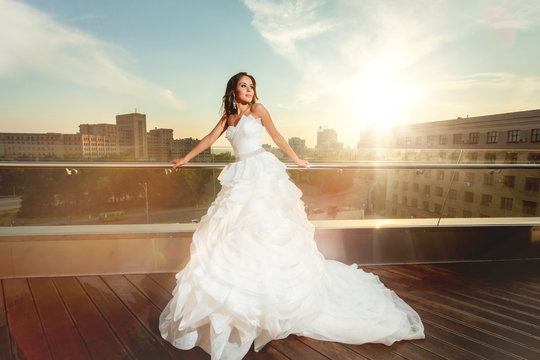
(255,273)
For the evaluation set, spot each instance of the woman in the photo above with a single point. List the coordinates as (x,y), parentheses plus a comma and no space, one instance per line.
(255,273)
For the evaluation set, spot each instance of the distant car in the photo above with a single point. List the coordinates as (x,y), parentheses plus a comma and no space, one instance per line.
(194,221)
(318,211)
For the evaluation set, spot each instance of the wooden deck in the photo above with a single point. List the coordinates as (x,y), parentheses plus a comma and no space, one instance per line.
(470,311)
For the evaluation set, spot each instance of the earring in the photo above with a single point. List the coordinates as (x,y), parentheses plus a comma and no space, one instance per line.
(234,103)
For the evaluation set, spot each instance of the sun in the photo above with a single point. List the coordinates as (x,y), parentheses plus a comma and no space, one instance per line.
(377,100)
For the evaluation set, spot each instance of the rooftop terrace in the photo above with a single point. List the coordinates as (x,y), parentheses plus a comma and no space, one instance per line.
(475,310)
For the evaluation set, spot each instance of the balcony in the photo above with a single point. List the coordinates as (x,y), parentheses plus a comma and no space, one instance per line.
(78,287)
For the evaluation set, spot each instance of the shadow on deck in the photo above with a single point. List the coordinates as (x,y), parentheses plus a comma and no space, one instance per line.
(488,310)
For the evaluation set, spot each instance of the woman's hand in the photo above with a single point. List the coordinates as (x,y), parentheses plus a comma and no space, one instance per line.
(301,162)
(177,163)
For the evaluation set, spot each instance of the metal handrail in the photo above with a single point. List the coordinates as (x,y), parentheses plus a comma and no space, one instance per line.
(349,166)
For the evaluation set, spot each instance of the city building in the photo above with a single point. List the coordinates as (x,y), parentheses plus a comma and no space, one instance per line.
(511,137)
(160,144)
(132,137)
(32,146)
(327,145)
(181,147)
(298,145)
(108,131)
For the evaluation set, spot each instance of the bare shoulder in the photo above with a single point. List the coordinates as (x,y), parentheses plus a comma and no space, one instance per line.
(258,110)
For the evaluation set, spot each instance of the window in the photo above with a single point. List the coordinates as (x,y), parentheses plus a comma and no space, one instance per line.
(529,207)
(438,208)
(414,203)
(492,137)
(511,157)
(442,139)
(418,140)
(438,191)
(430,140)
(452,194)
(404,200)
(427,173)
(427,189)
(404,185)
(440,175)
(509,181)
(473,138)
(486,199)
(415,187)
(408,141)
(506,203)
(473,156)
(535,135)
(469,196)
(451,212)
(425,205)
(469,178)
(457,138)
(490,156)
(488,179)
(513,136)
(532,184)
(442,155)
(467,214)
(534,157)
(394,212)
(394,198)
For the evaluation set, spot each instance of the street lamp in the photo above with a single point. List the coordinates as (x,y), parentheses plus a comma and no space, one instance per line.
(145,187)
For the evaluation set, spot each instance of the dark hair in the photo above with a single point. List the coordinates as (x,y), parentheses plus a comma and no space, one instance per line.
(227,103)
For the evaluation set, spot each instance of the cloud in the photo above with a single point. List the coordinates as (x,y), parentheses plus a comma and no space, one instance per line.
(344,48)
(33,43)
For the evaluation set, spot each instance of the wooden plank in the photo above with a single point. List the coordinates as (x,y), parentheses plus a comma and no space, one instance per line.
(293,348)
(5,338)
(157,294)
(332,350)
(375,351)
(485,301)
(268,354)
(63,338)
(146,312)
(474,288)
(500,319)
(27,336)
(98,336)
(165,280)
(135,338)
(470,325)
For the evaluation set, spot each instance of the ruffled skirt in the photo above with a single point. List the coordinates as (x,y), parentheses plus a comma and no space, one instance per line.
(255,274)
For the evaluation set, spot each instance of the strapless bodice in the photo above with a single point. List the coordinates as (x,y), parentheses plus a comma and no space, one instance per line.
(246,136)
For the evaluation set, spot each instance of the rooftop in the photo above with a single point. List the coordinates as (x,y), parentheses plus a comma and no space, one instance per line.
(472,310)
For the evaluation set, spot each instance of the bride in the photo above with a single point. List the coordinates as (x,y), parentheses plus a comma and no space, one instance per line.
(255,273)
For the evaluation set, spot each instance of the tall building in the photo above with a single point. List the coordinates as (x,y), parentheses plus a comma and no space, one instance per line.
(108,131)
(160,142)
(511,137)
(132,135)
(327,144)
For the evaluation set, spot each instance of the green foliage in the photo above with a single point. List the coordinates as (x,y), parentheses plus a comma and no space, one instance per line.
(50,193)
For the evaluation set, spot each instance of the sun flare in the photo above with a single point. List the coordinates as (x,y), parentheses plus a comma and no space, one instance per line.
(378,101)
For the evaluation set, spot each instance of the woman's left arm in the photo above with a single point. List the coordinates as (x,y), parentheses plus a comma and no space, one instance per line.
(280,141)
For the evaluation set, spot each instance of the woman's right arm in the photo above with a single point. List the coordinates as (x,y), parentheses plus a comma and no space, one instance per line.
(206,141)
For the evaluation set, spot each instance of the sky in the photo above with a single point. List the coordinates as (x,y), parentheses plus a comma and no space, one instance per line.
(344,64)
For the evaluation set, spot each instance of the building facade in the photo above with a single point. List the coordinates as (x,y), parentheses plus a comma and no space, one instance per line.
(132,137)
(502,138)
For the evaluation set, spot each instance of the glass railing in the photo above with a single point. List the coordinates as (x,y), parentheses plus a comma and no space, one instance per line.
(389,184)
